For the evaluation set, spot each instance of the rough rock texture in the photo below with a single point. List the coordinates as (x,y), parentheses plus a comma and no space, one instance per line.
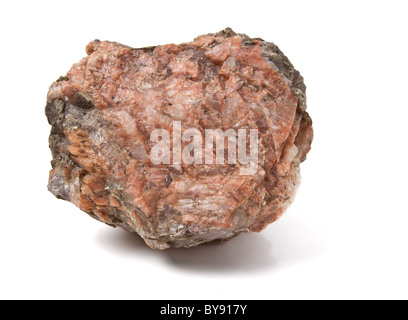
(103,111)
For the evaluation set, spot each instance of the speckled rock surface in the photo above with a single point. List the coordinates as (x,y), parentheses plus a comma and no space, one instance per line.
(103,112)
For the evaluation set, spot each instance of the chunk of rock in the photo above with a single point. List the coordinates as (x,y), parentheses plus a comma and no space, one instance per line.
(103,113)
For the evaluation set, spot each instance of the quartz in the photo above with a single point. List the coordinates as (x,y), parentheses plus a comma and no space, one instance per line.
(104,110)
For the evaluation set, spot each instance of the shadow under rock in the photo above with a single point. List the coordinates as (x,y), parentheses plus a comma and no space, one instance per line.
(291,240)
(244,253)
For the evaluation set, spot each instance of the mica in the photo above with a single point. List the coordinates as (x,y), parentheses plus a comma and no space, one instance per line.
(104,109)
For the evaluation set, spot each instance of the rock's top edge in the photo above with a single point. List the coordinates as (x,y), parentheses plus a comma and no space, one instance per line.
(270,52)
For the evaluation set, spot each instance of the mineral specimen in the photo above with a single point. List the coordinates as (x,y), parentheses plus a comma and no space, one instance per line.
(105,109)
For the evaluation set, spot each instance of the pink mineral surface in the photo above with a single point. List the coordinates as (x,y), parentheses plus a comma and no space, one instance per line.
(104,110)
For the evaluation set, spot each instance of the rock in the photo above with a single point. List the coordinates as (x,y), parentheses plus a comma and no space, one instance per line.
(105,109)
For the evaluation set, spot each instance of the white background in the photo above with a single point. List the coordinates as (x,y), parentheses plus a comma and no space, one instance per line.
(346,235)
